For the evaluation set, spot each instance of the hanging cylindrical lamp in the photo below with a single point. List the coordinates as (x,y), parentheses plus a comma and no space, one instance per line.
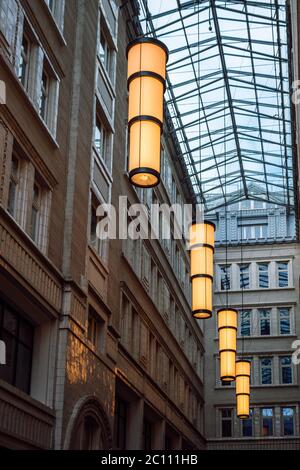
(227,328)
(202,242)
(147,59)
(243,368)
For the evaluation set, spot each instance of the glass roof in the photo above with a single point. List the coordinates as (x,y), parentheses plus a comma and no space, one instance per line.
(228,93)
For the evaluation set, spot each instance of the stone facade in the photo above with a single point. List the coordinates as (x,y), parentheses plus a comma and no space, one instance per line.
(114,359)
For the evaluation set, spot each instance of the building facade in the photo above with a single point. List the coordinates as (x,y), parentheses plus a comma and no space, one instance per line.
(101,349)
(258,274)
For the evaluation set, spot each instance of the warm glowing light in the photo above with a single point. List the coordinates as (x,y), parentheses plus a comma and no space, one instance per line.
(243,368)
(147,59)
(202,240)
(227,328)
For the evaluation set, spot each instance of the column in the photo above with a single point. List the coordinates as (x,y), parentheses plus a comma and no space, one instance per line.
(135,424)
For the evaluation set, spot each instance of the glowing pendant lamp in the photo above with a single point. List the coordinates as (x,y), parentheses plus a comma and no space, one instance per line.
(147,59)
(202,242)
(227,328)
(243,368)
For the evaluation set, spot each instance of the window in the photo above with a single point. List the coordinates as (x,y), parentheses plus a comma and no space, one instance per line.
(44,95)
(225,277)
(265,322)
(284,321)
(147,435)
(23,72)
(35,212)
(100,139)
(283,275)
(286,370)
(120,423)
(245,316)
(263,275)
(244,276)
(253,231)
(247,425)
(267,422)
(96,330)
(266,370)
(105,53)
(17,334)
(226,422)
(13,186)
(97,243)
(287,418)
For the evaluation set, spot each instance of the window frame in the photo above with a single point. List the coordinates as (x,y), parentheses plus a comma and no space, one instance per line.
(262,420)
(270,367)
(286,366)
(260,273)
(226,419)
(282,408)
(225,277)
(280,311)
(280,271)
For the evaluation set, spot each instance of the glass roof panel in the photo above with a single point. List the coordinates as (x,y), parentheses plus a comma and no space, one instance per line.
(228,93)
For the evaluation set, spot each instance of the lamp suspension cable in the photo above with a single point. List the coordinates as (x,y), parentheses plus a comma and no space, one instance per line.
(243,366)
(227,317)
(202,235)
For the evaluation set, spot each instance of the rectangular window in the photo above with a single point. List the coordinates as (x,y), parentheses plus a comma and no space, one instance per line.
(225,276)
(267,422)
(244,276)
(35,212)
(226,422)
(120,423)
(287,417)
(96,330)
(245,316)
(264,322)
(266,370)
(13,186)
(263,275)
(105,53)
(284,321)
(44,95)
(100,138)
(17,334)
(24,64)
(96,242)
(247,425)
(286,370)
(283,274)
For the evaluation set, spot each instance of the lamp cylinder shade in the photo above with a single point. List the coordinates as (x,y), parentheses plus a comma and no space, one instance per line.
(202,240)
(227,329)
(243,369)
(147,59)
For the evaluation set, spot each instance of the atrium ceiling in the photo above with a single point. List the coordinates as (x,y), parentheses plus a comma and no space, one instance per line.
(229,95)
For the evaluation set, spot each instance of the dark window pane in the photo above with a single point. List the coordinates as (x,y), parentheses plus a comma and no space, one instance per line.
(26,333)
(267,422)
(288,421)
(23,368)
(247,426)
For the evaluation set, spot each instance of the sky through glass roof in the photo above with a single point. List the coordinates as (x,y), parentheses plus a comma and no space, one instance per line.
(229,95)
